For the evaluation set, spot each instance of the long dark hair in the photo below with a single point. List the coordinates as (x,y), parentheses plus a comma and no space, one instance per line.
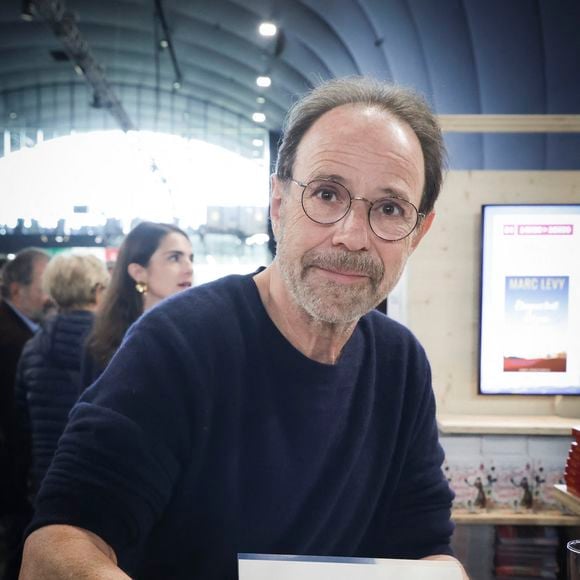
(122,304)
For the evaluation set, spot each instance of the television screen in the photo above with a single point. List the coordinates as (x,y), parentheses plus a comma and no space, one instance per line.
(530,300)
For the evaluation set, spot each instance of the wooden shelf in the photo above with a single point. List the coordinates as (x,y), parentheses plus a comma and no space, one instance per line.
(506,424)
(507,517)
(566,498)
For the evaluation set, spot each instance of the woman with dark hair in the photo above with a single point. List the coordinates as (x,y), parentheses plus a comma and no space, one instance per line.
(155,261)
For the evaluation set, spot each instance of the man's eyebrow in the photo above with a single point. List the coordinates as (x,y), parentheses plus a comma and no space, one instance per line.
(392,193)
(328,177)
(387,191)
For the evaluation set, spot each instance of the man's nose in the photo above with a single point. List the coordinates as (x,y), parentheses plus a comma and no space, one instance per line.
(353,231)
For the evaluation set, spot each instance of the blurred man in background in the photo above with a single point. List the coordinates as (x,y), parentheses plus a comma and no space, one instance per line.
(21,309)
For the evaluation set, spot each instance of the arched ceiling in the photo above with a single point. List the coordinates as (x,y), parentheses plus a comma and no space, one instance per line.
(466,56)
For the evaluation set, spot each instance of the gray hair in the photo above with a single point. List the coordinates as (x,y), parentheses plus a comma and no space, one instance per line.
(401,102)
(20,270)
(72,280)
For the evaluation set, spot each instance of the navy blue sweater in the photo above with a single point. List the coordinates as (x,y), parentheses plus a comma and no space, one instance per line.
(48,385)
(209,434)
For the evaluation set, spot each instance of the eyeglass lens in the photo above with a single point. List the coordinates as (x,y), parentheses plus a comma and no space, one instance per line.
(327,202)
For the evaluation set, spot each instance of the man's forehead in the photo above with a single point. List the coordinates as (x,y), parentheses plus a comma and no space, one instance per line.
(352,122)
(362,135)
(39,265)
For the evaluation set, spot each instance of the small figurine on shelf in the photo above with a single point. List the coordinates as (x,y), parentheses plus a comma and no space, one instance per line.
(491,479)
(480,499)
(539,480)
(527,499)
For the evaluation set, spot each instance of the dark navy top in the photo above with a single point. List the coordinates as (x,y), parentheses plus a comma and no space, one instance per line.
(48,385)
(209,434)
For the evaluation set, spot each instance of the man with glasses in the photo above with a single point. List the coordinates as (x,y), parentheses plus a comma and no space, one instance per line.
(275,412)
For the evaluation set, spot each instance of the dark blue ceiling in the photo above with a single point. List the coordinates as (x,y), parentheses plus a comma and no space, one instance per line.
(466,56)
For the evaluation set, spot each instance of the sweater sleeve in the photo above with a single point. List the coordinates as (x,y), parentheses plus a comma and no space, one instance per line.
(123,448)
(420,516)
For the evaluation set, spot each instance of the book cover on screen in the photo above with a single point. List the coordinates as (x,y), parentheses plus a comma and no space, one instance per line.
(535,324)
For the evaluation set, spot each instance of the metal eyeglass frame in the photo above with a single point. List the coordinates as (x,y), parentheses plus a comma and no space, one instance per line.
(420,215)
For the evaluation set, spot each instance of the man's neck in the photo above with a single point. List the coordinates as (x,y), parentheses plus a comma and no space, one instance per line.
(318,340)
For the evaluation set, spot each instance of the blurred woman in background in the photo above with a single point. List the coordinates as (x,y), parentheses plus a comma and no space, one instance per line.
(48,375)
(155,261)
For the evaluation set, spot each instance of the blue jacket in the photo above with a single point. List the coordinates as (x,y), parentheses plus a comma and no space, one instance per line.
(48,385)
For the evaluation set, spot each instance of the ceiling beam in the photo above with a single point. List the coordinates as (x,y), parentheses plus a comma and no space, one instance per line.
(63,24)
(510,123)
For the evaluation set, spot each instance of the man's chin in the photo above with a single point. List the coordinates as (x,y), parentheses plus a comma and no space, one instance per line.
(334,305)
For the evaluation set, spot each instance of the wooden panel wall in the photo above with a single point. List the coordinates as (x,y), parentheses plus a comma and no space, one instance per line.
(443,282)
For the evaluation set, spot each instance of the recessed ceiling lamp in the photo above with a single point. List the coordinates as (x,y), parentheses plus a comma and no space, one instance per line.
(257,142)
(26,12)
(258,117)
(263,81)
(260,100)
(267,29)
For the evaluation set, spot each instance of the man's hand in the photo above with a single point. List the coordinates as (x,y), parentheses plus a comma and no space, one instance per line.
(59,552)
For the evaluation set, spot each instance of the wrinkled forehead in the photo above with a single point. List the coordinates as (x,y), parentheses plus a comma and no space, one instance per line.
(358,123)
(362,138)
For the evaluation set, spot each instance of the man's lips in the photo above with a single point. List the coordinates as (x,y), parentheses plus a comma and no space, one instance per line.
(342,275)
(343,267)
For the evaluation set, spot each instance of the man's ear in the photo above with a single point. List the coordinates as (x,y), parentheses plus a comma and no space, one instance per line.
(422,229)
(14,289)
(137,272)
(277,187)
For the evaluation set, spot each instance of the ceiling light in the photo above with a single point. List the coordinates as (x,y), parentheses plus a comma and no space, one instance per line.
(257,142)
(163,43)
(258,117)
(267,29)
(79,70)
(26,13)
(263,81)
(260,100)
(176,85)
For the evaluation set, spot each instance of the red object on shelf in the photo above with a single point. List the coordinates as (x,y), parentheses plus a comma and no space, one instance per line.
(572,471)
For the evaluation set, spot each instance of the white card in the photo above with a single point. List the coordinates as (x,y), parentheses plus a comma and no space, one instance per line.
(269,567)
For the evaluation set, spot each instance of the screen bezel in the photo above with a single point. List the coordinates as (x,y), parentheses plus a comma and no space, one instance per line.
(485,214)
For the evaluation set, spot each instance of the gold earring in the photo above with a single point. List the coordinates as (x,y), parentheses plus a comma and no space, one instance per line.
(141,287)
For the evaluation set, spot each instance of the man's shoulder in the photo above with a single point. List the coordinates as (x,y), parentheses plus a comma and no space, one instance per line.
(392,337)
(12,328)
(219,302)
(388,329)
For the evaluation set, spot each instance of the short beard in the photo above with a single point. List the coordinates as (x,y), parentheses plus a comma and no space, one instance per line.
(331,302)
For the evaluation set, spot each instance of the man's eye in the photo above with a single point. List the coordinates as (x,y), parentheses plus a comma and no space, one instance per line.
(326,195)
(390,209)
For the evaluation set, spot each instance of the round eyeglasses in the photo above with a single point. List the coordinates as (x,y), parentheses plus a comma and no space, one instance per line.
(326,202)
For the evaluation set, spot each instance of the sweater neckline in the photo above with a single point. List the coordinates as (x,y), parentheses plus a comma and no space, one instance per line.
(280,346)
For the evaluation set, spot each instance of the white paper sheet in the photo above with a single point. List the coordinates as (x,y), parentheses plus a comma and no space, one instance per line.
(270,567)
